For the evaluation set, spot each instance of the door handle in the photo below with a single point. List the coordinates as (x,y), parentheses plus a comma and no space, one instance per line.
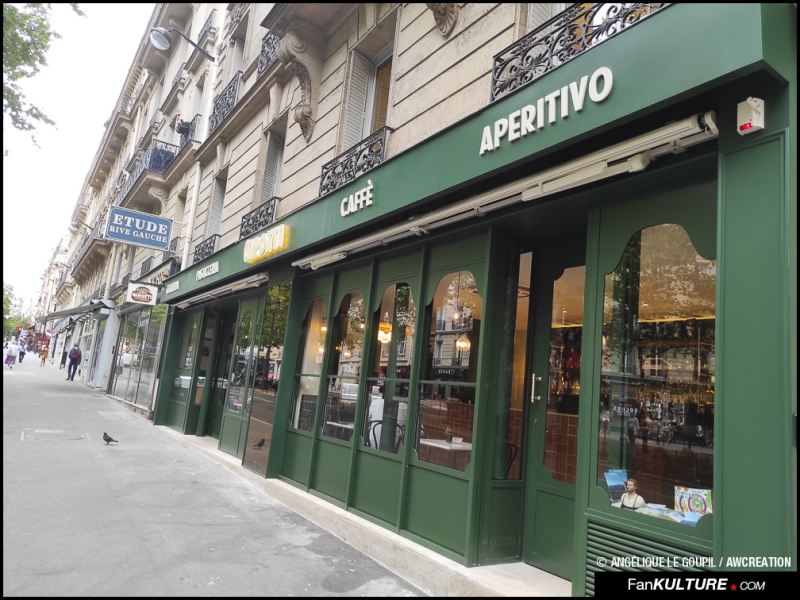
(534,397)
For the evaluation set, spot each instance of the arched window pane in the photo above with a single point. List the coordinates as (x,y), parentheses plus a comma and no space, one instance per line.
(448,391)
(341,396)
(387,402)
(658,377)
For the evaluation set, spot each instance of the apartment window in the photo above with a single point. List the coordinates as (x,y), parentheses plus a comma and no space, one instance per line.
(237,55)
(215,211)
(131,257)
(539,12)
(368,96)
(272,168)
(156,100)
(197,101)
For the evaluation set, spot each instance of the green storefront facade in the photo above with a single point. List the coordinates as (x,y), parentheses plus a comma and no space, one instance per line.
(574,322)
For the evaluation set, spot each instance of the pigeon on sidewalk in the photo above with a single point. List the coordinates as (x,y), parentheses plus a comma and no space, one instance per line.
(107,438)
(260,443)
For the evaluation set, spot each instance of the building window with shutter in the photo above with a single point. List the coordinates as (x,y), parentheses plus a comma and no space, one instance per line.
(368,93)
(272,168)
(215,211)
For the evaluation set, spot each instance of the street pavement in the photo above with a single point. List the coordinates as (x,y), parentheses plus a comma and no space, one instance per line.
(147,516)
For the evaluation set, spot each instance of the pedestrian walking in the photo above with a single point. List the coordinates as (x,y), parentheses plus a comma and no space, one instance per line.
(22,351)
(44,354)
(74,361)
(11,354)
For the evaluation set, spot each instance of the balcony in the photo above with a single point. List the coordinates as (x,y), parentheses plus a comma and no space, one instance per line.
(173,250)
(188,131)
(206,248)
(149,167)
(268,54)
(178,84)
(352,164)
(567,35)
(205,39)
(184,157)
(91,255)
(224,103)
(258,219)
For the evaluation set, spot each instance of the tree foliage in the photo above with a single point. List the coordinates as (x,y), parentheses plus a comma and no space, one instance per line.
(27,36)
(8,301)
(12,321)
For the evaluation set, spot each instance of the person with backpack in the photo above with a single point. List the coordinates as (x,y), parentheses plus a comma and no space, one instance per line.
(74,360)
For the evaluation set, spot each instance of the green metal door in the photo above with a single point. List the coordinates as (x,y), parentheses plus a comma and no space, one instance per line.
(554,392)
(240,384)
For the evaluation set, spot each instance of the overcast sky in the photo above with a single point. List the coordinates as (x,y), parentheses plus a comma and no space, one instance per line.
(78,89)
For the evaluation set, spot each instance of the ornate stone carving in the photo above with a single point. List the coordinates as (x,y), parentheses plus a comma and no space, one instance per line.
(445,16)
(293,52)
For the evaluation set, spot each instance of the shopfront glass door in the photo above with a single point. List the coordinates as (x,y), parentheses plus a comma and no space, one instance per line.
(554,381)
(243,367)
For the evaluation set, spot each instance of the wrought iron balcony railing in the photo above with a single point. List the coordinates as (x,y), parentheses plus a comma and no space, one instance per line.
(158,156)
(258,219)
(207,26)
(188,131)
(567,35)
(224,103)
(146,266)
(352,164)
(125,104)
(206,248)
(268,54)
(461,324)
(84,245)
(180,76)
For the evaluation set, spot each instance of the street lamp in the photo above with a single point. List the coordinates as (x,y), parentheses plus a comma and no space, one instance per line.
(161,38)
(77,225)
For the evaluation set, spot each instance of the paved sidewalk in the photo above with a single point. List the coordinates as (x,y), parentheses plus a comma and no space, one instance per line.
(395,565)
(149,515)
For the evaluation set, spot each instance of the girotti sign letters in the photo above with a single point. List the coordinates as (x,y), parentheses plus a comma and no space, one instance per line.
(548,109)
(142,293)
(138,228)
(265,244)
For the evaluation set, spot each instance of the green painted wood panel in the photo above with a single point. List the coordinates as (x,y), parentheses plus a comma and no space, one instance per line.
(296,457)
(755,372)
(436,508)
(376,486)
(331,474)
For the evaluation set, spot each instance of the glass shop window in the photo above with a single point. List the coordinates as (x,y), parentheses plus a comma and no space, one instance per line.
(656,415)
(447,399)
(306,384)
(341,394)
(240,390)
(384,425)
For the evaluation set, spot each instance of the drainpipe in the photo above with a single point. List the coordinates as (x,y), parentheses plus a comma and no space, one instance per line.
(198,174)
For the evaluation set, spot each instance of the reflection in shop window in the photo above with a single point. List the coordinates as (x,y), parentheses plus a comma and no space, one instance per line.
(384,424)
(242,377)
(447,392)
(657,385)
(306,384)
(341,391)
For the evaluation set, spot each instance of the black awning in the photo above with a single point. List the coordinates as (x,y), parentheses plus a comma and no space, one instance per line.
(80,310)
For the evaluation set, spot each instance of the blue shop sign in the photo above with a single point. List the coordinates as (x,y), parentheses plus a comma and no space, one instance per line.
(138,228)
